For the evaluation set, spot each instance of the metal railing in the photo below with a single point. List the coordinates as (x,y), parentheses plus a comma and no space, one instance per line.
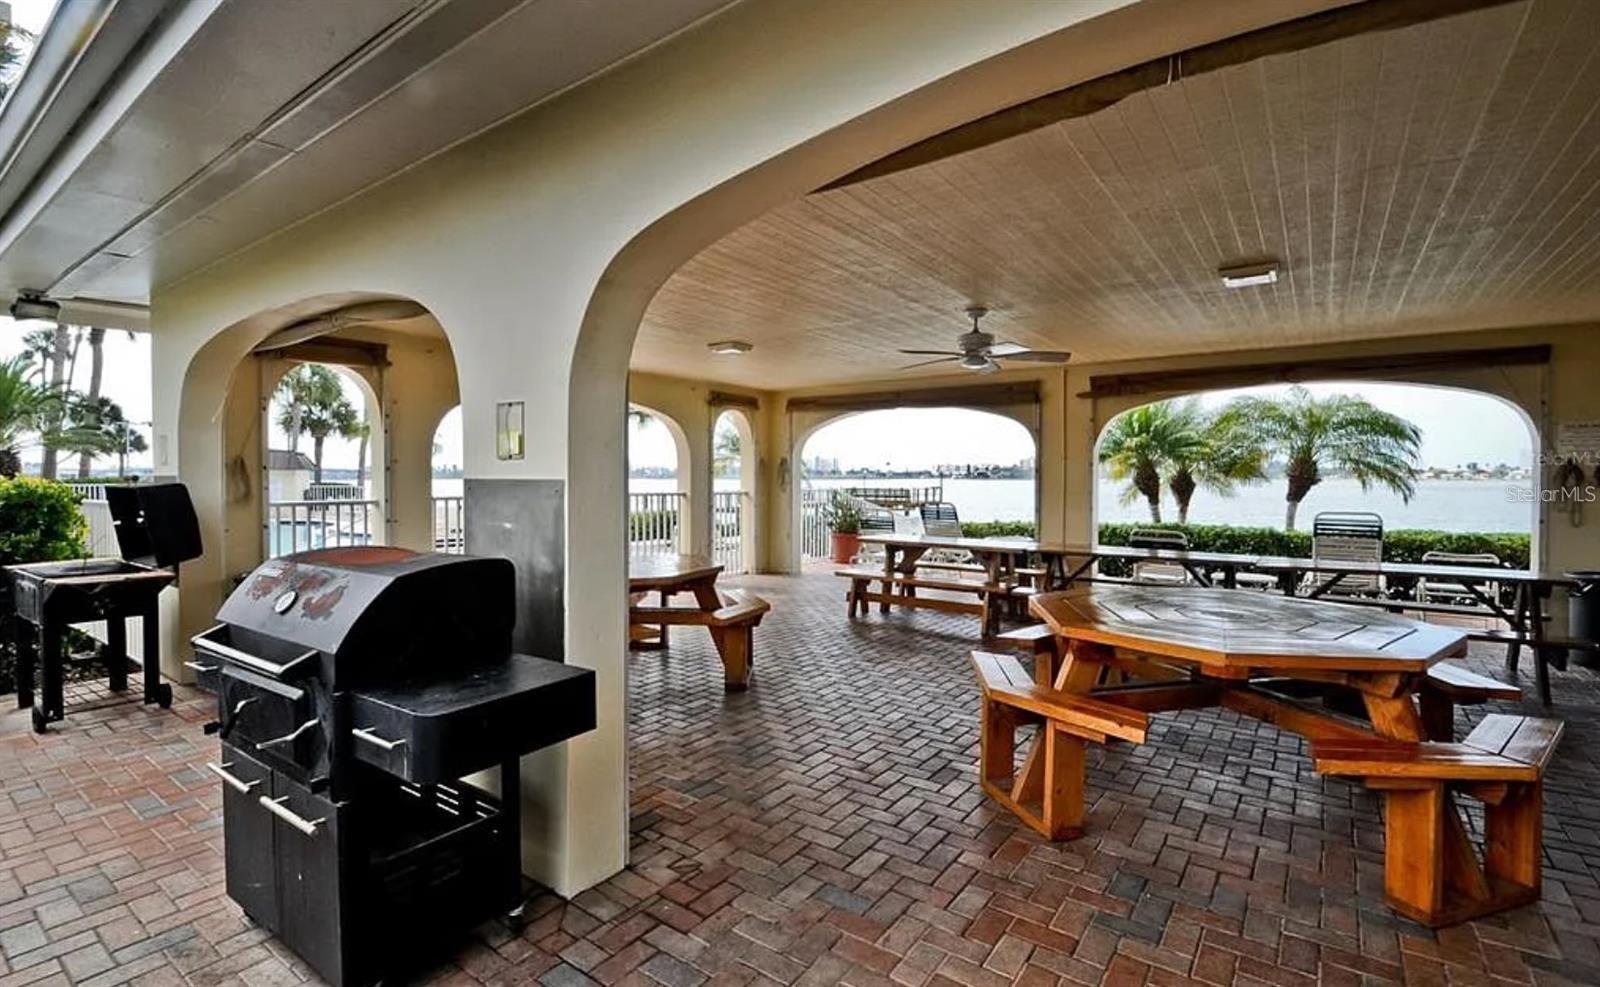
(333,491)
(89,491)
(302,525)
(655,523)
(729,517)
(449,525)
(815,536)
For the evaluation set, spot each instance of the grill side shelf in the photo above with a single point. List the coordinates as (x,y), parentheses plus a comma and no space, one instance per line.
(447,727)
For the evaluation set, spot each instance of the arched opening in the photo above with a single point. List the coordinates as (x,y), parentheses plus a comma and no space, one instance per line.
(448,495)
(324,429)
(983,463)
(659,482)
(1223,464)
(734,519)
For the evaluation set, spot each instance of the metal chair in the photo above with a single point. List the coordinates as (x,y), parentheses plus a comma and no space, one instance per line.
(1349,536)
(873,519)
(940,520)
(1444,591)
(1154,571)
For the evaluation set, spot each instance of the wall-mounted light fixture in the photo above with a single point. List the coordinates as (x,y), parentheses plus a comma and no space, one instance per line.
(729,347)
(34,305)
(508,430)
(1245,275)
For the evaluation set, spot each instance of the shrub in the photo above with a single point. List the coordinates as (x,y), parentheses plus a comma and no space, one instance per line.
(39,521)
(997,529)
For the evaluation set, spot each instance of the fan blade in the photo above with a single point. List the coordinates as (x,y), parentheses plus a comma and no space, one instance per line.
(1035,356)
(930,352)
(1006,349)
(929,363)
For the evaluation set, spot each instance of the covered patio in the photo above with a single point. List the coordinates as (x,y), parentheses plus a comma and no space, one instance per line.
(826,828)
(1408,187)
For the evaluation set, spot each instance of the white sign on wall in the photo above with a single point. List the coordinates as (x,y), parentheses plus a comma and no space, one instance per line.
(1579,438)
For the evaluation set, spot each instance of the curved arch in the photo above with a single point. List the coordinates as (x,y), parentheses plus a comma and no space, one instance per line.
(740,507)
(680,441)
(1509,400)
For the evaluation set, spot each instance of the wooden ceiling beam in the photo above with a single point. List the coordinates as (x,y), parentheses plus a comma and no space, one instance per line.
(1299,371)
(980,396)
(1096,94)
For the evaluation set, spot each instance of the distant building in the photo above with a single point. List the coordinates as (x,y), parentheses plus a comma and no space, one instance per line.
(289,474)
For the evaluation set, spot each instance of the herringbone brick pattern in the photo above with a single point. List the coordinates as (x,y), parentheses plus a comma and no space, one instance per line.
(826,828)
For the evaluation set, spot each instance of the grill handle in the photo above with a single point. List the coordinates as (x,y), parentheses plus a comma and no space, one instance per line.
(304,825)
(227,653)
(289,737)
(221,771)
(365,733)
(202,669)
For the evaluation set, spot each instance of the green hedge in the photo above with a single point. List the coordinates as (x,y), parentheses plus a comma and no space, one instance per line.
(39,522)
(1404,545)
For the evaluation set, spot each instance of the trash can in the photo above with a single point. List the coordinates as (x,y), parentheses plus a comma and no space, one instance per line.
(1583,612)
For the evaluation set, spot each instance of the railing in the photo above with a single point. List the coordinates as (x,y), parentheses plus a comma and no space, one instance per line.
(816,542)
(729,514)
(333,491)
(655,523)
(89,491)
(302,525)
(897,498)
(449,525)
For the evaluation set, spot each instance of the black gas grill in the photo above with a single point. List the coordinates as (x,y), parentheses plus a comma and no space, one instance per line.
(355,688)
(156,529)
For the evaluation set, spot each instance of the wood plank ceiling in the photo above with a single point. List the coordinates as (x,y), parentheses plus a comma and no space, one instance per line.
(1441,176)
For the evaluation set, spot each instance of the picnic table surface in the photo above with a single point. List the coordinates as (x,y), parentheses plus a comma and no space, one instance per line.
(1283,563)
(648,572)
(1229,632)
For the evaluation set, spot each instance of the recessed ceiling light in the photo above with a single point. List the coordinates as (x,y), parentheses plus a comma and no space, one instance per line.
(1246,275)
(729,347)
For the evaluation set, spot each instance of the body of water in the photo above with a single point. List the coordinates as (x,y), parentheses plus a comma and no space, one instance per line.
(1446,505)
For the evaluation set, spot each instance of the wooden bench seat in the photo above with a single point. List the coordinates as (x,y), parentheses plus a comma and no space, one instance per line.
(861,595)
(732,626)
(1432,873)
(1047,793)
(1447,686)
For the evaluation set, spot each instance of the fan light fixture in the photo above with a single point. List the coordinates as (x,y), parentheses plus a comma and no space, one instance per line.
(729,347)
(1246,275)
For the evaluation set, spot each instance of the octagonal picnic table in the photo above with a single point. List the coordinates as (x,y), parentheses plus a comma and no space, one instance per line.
(1278,659)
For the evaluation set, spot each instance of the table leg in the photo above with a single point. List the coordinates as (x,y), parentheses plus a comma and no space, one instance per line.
(1541,658)
(1519,624)
(116,653)
(888,578)
(155,690)
(52,700)
(26,637)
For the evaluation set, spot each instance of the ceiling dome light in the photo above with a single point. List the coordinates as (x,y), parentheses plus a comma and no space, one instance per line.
(976,361)
(730,347)
(1245,275)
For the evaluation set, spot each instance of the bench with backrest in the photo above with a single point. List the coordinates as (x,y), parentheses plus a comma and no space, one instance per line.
(1047,792)
(732,626)
(1446,591)
(1432,873)
(940,520)
(1156,570)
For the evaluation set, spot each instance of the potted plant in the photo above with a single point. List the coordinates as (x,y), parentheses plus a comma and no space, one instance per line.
(844,518)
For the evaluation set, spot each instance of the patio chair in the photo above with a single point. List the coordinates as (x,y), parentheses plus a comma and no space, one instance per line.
(940,520)
(1152,571)
(873,520)
(1349,536)
(1445,591)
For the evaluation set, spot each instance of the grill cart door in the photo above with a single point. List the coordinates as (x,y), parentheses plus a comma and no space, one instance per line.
(307,833)
(248,850)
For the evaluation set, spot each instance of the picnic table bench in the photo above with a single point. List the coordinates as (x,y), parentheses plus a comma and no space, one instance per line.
(1268,656)
(730,615)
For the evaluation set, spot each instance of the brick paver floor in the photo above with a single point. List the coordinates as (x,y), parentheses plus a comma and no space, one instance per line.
(825,828)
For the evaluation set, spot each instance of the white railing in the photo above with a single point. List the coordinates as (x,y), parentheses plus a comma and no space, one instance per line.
(333,491)
(88,490)
(816,539)
(102,543)
(302,525)
(449,525)
(655,523)
(729,520)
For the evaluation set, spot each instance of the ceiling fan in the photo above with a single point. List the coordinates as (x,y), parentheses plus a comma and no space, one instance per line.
(977,351)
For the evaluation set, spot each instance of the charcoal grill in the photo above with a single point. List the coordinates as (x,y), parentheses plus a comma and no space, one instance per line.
(156,529)
(356,688)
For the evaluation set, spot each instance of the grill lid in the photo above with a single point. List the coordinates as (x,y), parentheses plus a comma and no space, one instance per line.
(381,613)
(155,523)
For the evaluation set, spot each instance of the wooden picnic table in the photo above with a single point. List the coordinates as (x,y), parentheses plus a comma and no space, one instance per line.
(1525,616)
(730,616)
(1270,657)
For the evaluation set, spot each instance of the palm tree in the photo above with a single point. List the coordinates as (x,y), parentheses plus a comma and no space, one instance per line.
(726,454)
(320,420)
(13,44)
(129,440)
(305,386)
(1140,445)
(59,381)
(361,430)
(97,366)
(1341,431)
(1226,457)
(87,428)
(24,408)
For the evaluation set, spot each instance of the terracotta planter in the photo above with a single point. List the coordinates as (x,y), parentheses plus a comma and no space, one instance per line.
(845,546)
